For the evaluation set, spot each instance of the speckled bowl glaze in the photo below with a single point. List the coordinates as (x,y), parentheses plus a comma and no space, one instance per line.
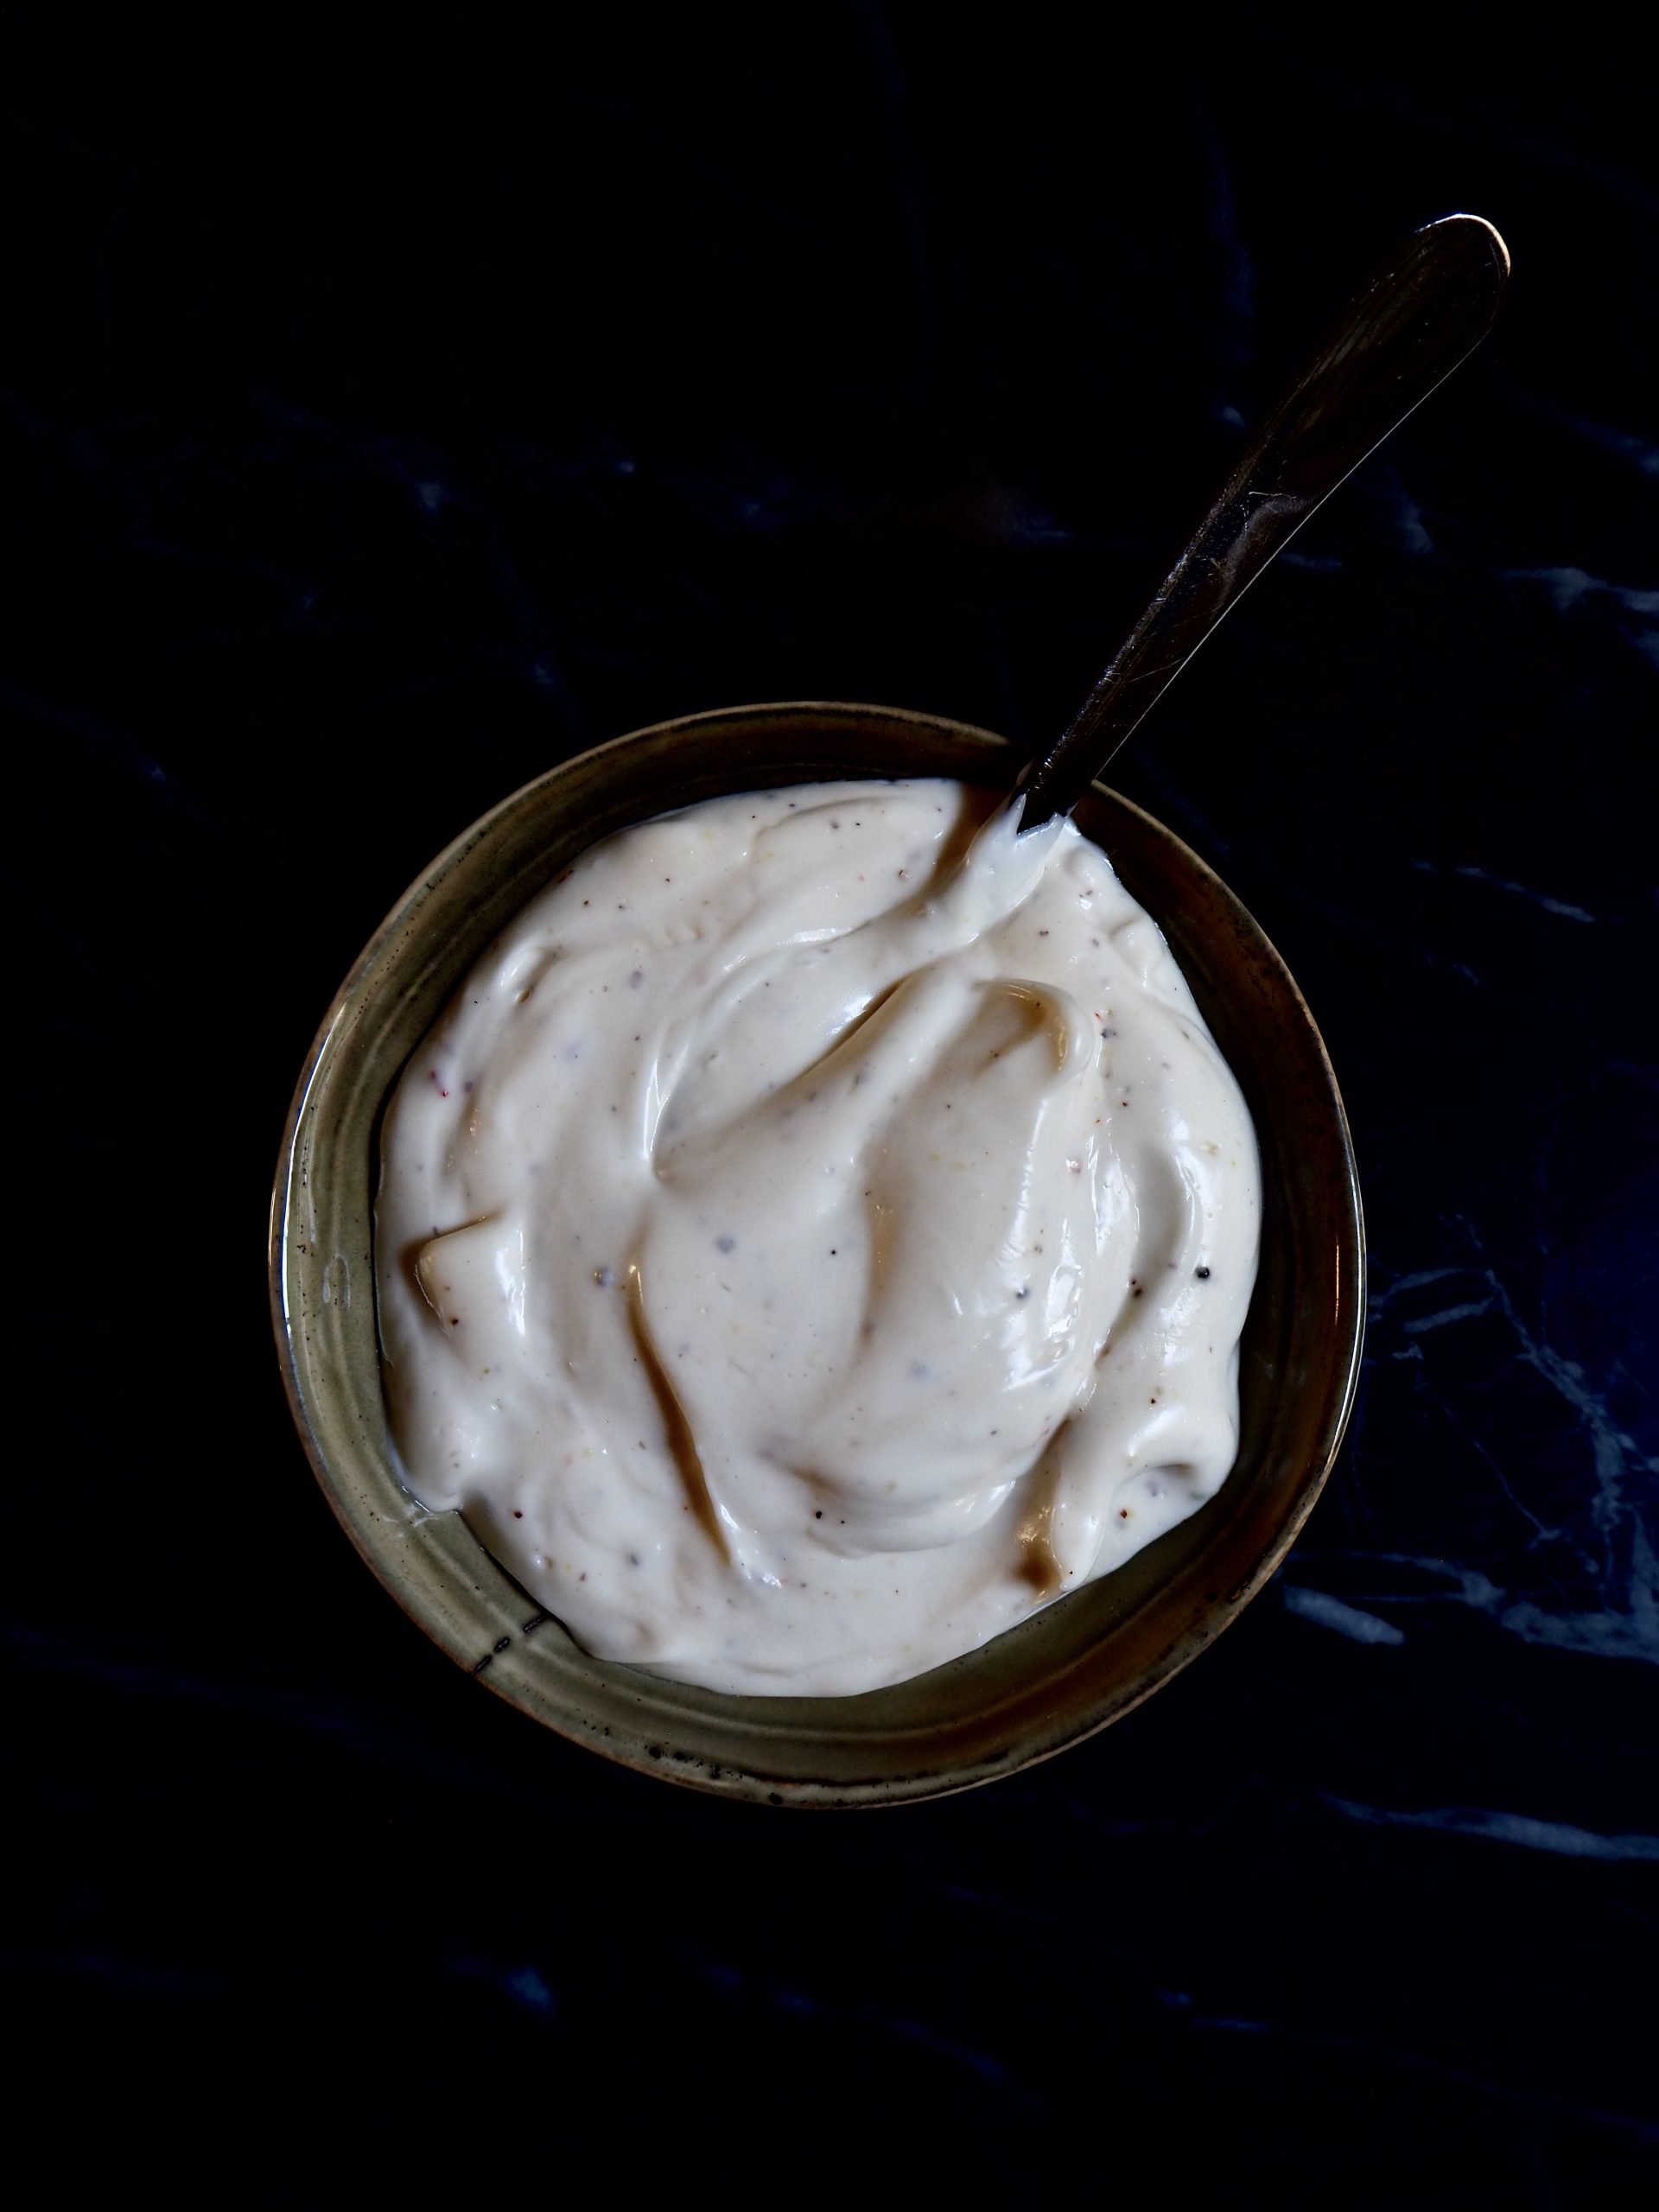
(1058,1677)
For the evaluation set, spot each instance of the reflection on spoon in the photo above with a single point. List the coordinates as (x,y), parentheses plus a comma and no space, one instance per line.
(1424,311)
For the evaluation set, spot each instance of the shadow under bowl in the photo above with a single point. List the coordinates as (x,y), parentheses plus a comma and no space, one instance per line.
(1058,1676)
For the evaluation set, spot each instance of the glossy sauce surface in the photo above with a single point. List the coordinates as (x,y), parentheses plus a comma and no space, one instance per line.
(818,1234)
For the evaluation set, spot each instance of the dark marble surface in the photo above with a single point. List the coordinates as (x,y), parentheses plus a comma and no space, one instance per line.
(389,410)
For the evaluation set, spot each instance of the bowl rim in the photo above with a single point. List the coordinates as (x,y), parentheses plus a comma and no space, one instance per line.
(729,1782)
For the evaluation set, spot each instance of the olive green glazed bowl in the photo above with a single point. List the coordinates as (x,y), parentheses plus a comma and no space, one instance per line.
(1058,1676)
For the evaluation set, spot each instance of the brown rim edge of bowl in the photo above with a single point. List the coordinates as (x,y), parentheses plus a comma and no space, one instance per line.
(753,1784)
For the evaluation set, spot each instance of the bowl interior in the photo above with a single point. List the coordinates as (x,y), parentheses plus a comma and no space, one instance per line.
(1058,1676)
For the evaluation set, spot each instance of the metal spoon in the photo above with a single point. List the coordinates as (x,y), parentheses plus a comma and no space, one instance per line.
(1426,309)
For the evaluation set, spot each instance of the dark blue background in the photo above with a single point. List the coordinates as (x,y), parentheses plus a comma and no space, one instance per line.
(393,406)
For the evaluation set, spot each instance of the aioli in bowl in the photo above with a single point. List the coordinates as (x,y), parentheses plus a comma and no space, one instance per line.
(817,1234)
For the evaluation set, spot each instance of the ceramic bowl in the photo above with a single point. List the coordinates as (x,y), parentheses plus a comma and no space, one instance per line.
(1047,1683)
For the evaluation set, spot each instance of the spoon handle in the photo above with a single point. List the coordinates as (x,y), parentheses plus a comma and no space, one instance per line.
(1426,308)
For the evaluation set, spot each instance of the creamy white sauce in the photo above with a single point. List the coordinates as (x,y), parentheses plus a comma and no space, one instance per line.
(816,1235)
